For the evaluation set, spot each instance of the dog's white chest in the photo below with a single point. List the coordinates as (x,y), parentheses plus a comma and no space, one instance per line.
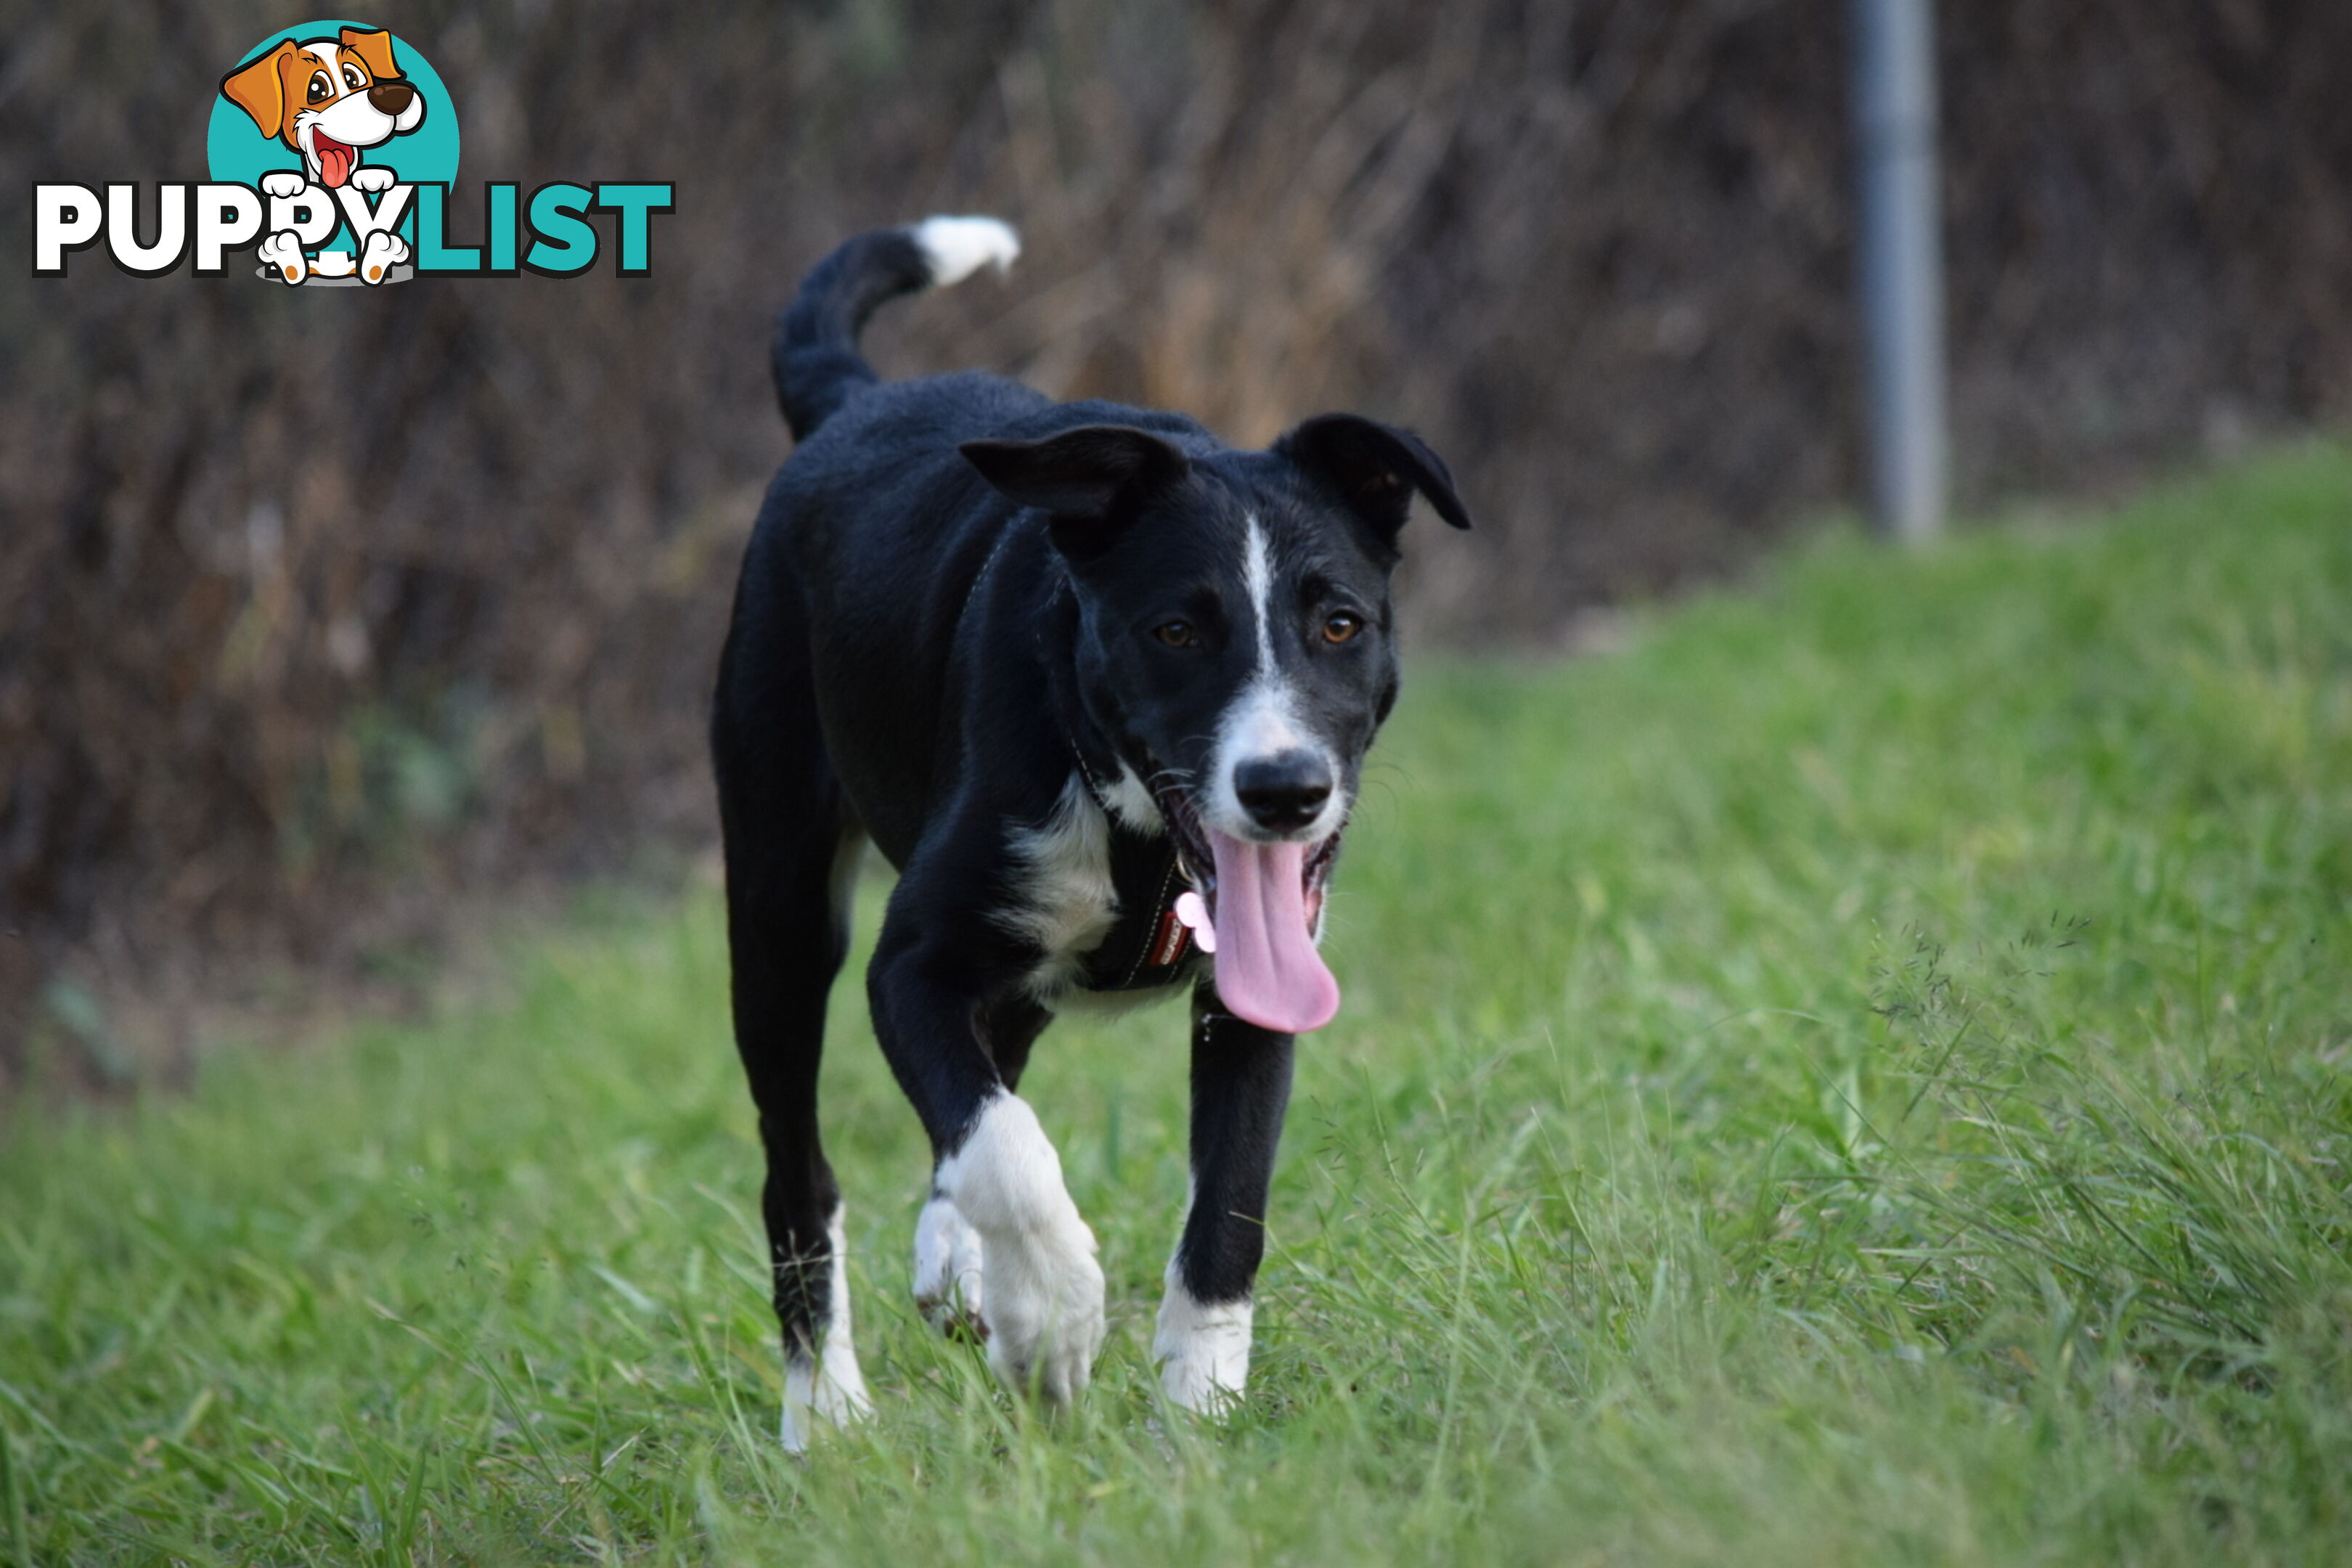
(1065,899)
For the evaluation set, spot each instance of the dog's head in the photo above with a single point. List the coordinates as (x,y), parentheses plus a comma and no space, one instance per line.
(328,97)
(1236,643)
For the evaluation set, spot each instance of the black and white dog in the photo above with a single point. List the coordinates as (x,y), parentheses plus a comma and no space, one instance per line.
(1099,687)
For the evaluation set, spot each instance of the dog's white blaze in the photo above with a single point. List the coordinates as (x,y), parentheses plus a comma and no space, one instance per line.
(1066,904)
(957,247)
(1037,1256)
(830,1388)
(948,1278)
(1202,1348)
(1257,579)
(1263,718)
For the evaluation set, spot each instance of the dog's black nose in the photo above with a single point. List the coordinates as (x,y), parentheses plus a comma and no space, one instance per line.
(1284,792)
(391,97)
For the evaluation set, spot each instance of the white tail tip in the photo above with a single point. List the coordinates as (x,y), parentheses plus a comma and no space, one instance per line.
(958,246)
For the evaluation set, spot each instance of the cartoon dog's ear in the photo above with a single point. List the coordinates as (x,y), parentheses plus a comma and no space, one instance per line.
(260,92)
(1090,478)
(1375,467)
(374,47)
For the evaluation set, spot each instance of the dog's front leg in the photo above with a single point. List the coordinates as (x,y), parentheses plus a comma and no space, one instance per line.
(1241,1086)
(383,249)
(1042,1302)
(948,1278)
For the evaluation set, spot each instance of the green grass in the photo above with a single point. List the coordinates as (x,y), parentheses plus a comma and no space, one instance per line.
(1860,1076)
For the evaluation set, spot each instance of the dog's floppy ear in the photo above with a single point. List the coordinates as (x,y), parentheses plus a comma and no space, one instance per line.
(259,91)
(1375,467)
(374,47)
(1089,478)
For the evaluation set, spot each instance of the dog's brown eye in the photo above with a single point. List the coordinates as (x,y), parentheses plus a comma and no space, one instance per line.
(322,89)
(352,79)
(1342,627)
(1176,634)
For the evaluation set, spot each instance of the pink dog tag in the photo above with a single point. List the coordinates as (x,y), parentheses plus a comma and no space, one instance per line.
(1195,914)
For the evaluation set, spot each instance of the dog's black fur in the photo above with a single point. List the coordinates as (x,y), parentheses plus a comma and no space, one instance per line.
(957,599)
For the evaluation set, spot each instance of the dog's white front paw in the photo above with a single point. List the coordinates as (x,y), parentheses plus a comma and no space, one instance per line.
(282,254)
(1203,1348)
(383,249)
(372,180)
(1045,1307)
(282,183)
(947,1274)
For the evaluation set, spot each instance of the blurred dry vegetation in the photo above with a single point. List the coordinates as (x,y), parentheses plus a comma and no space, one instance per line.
(315,606)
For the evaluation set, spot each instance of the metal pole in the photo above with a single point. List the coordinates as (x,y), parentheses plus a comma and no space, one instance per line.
(1901,263)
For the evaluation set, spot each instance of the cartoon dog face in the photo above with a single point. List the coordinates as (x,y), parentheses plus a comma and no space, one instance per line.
(328,98)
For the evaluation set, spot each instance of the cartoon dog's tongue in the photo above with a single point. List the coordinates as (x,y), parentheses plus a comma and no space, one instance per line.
(1267,969)
(335,160)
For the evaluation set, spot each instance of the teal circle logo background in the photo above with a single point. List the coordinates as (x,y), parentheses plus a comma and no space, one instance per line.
(238,152)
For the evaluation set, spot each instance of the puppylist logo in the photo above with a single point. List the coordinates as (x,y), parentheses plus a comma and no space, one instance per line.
(332,148)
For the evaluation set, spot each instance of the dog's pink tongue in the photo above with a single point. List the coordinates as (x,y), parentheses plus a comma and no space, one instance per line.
(334,161)
(1267,969)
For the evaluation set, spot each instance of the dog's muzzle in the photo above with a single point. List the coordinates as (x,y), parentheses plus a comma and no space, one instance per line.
(1265,904)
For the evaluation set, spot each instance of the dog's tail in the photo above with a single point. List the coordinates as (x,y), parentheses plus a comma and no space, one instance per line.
(814,352)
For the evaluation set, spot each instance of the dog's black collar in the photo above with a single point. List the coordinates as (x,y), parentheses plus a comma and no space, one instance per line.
(1148,946)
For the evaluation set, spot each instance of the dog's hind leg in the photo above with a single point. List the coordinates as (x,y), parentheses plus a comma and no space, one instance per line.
(1240,1088)
(791,856)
